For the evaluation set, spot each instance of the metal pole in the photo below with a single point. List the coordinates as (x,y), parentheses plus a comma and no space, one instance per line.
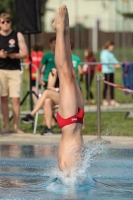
(95,36)
(99,138)
(30,59)
(98,107)
(76,27)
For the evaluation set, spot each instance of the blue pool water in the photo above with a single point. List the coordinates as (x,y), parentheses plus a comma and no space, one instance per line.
(30,172)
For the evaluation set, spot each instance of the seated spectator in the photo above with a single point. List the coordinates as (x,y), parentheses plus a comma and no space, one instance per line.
(48,62)
(49,98)
(36,57)
(89,71)
(53,82)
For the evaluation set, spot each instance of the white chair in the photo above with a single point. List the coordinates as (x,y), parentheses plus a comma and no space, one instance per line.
(55,108)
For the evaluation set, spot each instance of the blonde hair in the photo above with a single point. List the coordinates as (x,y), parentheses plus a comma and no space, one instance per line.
(5,16)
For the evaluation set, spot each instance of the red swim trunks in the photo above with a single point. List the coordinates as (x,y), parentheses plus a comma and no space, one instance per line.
(78,118)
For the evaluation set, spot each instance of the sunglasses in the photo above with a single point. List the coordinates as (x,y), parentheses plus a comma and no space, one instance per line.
(3,22)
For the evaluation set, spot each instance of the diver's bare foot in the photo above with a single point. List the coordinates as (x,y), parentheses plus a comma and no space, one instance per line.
(18,131)
(61,21)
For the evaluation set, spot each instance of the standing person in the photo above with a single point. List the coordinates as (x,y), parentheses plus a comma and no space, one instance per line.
(89,71)
(48,61)
(71,106)
(36,57)
(108,70)
(12,49)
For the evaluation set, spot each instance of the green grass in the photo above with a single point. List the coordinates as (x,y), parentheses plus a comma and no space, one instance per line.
(119,95)
(112,124)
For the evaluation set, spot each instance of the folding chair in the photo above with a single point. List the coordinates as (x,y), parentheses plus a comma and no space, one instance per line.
(55,108)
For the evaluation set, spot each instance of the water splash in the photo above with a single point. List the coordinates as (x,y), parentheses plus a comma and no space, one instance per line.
(79,178)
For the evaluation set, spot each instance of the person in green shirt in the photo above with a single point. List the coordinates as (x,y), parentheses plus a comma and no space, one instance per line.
(48,62)
(76,64)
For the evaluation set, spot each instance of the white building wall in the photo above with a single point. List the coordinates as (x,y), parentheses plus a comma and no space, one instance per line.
(87,11)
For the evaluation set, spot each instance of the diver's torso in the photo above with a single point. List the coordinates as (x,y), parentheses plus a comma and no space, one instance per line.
(70,147)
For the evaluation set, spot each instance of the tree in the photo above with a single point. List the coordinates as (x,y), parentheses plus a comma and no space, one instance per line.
(43,5)
(9,7)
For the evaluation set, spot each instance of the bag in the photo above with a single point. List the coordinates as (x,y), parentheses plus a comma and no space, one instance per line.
(85,69)
(99,68)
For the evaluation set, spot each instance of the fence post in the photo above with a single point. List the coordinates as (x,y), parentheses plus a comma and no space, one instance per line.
(98,107)
(99,138)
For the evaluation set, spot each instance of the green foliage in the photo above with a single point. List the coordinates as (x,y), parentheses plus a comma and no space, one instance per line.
(8,6)
(43,5)
(126,15)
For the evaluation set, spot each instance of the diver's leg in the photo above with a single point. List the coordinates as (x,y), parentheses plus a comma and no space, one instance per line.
(70,97)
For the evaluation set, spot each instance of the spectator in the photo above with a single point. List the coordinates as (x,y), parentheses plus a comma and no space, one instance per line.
(53,82)
(36,57)
(89,71)
(76,64)
(108,69)
(49,98)
(48,61)
(12,49)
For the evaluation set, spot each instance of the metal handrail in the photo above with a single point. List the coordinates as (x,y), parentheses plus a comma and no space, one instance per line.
(100,63)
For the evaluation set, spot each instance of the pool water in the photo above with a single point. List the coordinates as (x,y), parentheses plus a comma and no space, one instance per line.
(30,172)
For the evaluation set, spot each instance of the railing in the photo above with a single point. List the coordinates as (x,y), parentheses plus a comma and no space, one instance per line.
(119,80)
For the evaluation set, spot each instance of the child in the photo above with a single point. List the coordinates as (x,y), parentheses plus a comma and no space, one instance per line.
(89,71)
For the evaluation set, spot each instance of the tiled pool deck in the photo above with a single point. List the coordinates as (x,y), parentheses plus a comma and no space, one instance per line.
(30,138)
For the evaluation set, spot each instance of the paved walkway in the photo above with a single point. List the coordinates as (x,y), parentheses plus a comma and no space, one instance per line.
(125,107)
(29,138)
